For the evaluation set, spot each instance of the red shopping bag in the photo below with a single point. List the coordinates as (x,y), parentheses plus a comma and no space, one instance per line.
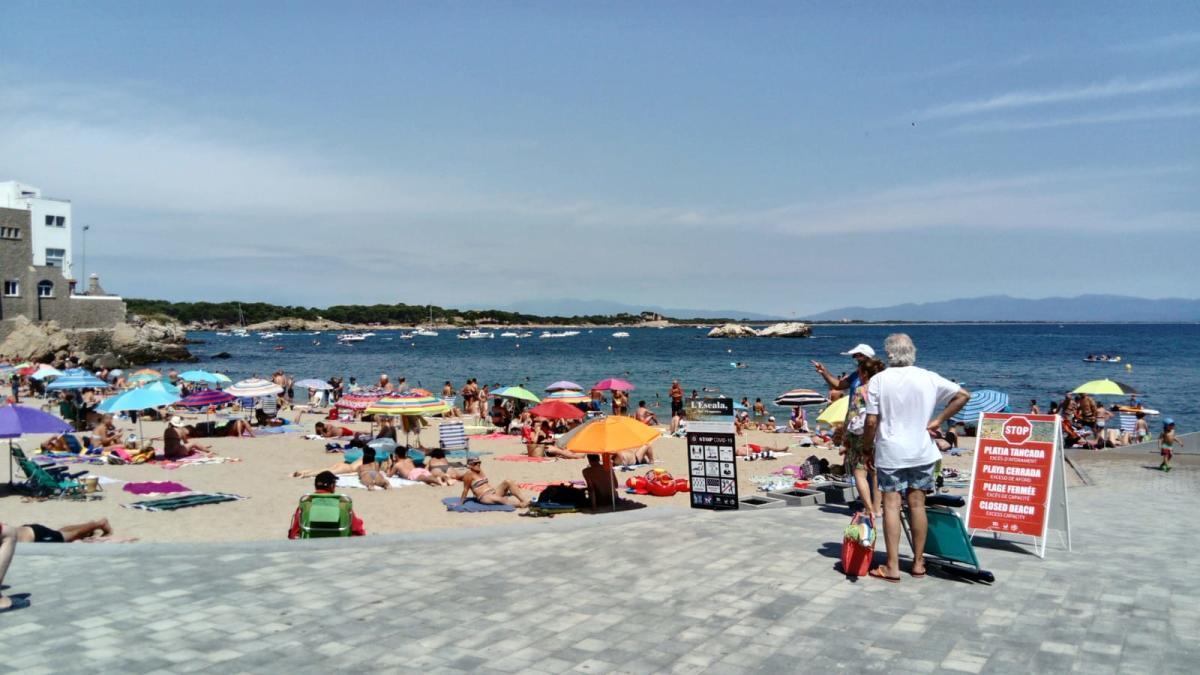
(856,556)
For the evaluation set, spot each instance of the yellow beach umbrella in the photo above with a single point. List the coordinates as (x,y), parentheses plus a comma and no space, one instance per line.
(1105,387)
(835,413)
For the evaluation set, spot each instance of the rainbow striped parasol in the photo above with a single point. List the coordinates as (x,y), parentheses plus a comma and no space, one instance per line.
(361,399)
(408,404)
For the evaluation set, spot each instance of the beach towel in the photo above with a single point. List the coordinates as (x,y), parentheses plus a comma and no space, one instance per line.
(191,461)
(523,458)
(163,487)
(538,487)
(495,434)
(352,481)
(183,502)
(282,429)
(472,506)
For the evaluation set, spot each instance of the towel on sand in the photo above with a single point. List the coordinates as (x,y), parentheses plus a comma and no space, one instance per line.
(538,487)
(472,506)
(523,458)
(184,501)
(159,487)
(352,481)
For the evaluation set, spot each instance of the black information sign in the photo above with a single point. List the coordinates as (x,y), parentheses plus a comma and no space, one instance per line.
(712,463)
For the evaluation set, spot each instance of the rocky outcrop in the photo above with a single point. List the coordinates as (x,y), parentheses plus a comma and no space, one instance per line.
(292,323)
(732,330)
(125,344)
(790,329)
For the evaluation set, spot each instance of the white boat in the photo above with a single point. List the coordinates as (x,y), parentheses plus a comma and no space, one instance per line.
(509,333)
(351,337)
(525,334)
(222,334)
(404,335)
(425,332)
(620,334)
(267,335)
(560,334)
(367,335)
(475,334)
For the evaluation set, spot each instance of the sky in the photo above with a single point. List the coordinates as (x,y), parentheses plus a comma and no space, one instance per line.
(782,158)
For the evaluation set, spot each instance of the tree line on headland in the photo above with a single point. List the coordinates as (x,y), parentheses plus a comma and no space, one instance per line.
(235,313)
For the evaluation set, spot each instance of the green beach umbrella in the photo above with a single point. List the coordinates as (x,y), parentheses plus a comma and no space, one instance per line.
(519,393)
(1104,387)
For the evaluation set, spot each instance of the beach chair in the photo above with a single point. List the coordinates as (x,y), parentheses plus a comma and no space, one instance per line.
(48,481)
(948,545)
(324,515)
(453,436)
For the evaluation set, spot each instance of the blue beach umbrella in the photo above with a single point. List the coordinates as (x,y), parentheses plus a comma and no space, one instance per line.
(199,376)
(77,378)
(982,401)
(153,395)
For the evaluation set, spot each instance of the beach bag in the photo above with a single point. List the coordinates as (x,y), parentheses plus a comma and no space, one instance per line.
(857,552)
(563,494)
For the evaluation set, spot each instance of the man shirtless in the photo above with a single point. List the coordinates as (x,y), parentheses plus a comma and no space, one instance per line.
(601,482)
(476,483)
(644,415)
(34,533)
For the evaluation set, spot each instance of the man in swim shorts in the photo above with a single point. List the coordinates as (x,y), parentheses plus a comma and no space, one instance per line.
(34,533)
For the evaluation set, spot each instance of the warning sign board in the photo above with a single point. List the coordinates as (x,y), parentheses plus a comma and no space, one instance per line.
(712,465)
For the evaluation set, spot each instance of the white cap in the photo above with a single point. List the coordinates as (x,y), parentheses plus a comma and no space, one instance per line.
(863,349)
(176,421)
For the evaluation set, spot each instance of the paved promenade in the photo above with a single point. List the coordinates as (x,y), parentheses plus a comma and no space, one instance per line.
(650,591)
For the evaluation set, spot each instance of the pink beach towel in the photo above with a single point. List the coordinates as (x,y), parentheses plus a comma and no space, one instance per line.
(523,458)
(163,487)
(496,434)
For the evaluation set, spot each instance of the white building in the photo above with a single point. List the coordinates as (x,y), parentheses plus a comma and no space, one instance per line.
(50,224)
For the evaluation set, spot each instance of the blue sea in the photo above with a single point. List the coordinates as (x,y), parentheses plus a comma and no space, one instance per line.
(1028,361)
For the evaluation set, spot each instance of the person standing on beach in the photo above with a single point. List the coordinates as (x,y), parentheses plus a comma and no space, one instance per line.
(676,395)
(1033,407)
(1166,444)
(861,354)
(900,402)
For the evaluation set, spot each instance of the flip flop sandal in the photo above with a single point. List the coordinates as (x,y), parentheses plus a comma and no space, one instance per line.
(916,575)
(881,573)
(17,603)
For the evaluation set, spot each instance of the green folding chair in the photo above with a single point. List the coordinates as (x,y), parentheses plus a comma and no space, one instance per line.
(50,481)
(948,544)
(324,515)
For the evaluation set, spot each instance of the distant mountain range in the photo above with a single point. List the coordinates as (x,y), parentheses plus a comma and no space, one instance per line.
(1006,308)
(572,307)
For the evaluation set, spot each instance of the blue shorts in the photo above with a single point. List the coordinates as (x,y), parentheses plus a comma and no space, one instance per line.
(909,478)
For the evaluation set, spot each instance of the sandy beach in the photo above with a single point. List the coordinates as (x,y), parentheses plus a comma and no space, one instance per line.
(263,476)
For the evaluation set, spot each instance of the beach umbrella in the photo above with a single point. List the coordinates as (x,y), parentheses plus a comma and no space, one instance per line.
(154,395)
(199,376)
(77,378)
(17,420)
(835,413)
(138,379)
(255,388)
(564,385)
(359,400)
(606,436)
(45,371)
(313,383)
(982,401)
(613,384)
(223,379)
(568,396)
(518,393)
(801,397)
(407,404)
(1104,387)
(205,398)
(556,410)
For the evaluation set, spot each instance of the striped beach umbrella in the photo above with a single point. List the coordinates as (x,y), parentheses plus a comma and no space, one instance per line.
(313,383)
(801,397)
(254,388)
(205,398)
(568,396)
(77,378)
(408,404)
(359,400)
(982,401)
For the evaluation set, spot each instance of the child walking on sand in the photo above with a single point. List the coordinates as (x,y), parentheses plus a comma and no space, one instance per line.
(1166,443)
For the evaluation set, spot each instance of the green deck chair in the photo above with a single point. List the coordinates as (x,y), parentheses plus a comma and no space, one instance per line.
(324,515)
(48,482)
(948,544)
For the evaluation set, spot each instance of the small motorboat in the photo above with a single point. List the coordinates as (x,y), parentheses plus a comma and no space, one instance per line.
(475,334)
(620,334)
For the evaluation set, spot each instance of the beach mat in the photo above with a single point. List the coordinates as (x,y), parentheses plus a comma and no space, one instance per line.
(522,458)
(282,429)
(472,506)
(191,461)
(538,487)
(352,481)
(183,502)
(161,487)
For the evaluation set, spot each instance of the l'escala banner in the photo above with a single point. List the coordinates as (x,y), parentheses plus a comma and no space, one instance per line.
(1015,462)
(712,462)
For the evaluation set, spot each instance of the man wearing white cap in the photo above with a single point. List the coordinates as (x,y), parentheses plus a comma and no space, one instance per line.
(861,354)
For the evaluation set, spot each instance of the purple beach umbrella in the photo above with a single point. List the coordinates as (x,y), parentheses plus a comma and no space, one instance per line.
(205,397)
(17,420)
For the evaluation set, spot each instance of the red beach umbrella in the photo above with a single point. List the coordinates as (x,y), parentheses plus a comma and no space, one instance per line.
(556,410)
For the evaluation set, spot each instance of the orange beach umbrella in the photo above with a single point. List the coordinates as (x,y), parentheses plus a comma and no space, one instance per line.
(608,435)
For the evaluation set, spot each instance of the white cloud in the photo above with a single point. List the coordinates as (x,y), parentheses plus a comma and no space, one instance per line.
(1172,41)
(1119,116)
(1072,94)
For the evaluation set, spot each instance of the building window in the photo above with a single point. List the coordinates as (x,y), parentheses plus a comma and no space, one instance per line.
(45,289)
(49,221)
(12,288)
(60,221)
(10,233)
(54,257)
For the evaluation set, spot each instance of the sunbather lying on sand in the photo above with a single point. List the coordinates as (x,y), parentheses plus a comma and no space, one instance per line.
(437,463)
(370,473)
(642,455)
(175,442)
(340,469)
(332,431)
(235,428)
(27,534)
(476,483)
(404,467)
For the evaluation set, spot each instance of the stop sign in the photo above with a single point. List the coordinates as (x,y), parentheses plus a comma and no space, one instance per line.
(1017,430)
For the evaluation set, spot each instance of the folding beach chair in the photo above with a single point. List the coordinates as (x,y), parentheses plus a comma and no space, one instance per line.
(324,515)
(453,436)
(948,544)
(48,481)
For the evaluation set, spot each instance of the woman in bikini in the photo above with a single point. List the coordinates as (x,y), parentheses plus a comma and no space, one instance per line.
(477,484)
(437,464)
(403,466)
(370,474)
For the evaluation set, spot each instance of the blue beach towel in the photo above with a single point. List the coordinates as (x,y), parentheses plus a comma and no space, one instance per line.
(472,506)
